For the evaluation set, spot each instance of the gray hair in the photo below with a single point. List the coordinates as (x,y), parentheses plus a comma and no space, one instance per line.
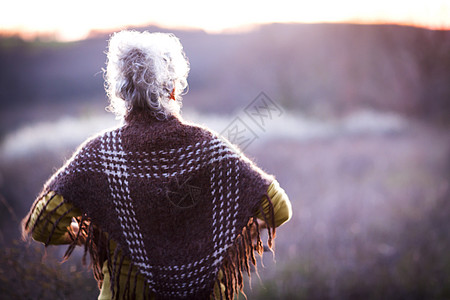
(144,70)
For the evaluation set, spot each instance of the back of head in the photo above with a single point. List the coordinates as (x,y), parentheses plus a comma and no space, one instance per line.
(145,71)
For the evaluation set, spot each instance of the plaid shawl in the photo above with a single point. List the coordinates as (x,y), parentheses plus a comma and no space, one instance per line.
(178,200)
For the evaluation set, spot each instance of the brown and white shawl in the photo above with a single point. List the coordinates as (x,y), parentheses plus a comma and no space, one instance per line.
(178,200)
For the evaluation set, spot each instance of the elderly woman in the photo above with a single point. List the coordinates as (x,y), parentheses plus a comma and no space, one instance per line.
(166,209)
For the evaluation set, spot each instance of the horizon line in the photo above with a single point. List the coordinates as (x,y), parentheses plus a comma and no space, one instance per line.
(55,36)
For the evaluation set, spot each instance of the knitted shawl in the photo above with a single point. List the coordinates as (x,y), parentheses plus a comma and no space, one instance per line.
(178,200)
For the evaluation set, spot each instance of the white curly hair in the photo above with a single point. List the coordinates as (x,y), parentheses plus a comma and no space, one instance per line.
(145,70)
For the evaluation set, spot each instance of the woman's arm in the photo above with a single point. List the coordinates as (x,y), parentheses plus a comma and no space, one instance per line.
(52,217)
(281,205)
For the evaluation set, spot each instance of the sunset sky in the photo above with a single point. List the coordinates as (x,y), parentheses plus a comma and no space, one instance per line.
(71,20)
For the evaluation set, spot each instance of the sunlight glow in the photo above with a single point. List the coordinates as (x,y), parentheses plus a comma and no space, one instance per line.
(68,20)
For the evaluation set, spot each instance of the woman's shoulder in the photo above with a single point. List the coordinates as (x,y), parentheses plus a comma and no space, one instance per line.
(200,130)
(108,135)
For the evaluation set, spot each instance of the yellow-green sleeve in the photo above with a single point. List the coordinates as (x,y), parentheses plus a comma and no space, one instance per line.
(64,213)
(281,204)
(138,285)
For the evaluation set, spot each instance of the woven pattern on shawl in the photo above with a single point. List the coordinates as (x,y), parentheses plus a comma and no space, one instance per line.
(110,158)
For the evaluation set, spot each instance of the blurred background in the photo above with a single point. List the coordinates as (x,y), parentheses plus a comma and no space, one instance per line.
(362,145)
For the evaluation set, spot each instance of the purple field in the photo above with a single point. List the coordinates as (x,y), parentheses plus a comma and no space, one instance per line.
(370,217)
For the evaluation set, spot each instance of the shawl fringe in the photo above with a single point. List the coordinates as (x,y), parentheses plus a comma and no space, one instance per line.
(241,259)
(89,235)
